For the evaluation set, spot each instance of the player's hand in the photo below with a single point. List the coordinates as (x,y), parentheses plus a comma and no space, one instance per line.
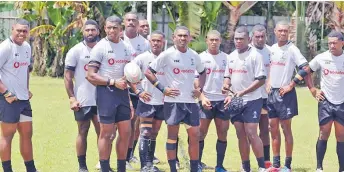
(318,94)
(206,104)
(227,101)
(74,104)
(132,111)
(268,88)
(171,92)
(196,93)
(225,89)
(121,83)
(240,93)
(285,89)
(145,96)
(10,97)
(30,95)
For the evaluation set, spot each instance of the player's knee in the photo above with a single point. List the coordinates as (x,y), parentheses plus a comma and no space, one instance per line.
(146,129)
(154,134)
(324,134)
(83,130)
(340,136)
(202,134)
(241,134)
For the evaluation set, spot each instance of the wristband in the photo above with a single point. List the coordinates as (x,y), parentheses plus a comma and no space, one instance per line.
(5,93)
(138,92)
(160,87)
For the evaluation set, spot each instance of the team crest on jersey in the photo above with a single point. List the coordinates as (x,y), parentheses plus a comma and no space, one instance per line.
(224,63)
(192,62)
(27,54)
(126,52)
(16,54)
(138,48)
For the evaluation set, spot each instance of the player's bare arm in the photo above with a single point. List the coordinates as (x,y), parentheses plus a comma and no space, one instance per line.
(171,92)
(94,78)
(68,80)
(28,81)
(260,81)
(226,90)
(301,74)
(140,92)
(9,96)
(316,93)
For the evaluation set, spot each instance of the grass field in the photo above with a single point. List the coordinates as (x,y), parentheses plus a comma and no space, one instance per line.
(55,132)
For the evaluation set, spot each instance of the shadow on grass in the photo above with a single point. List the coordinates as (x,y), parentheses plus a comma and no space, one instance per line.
(300,169)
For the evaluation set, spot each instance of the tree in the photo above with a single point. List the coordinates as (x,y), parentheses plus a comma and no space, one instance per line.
(236,9)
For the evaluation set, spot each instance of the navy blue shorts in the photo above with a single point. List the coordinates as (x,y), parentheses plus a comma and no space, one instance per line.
(282,107)
(328,111)
(217,111)
(150,111)
(113,104)
(85,113)
(250,113)
(176,113)
(134,98)
(11,113)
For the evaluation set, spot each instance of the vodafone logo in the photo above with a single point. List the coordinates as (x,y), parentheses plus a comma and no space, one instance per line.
(85,67)
(176,71)
(208,71)
(18,64)
(326,71)
(230,71)
(111,61)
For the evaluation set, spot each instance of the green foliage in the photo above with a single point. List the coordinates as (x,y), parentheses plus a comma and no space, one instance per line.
(6,6)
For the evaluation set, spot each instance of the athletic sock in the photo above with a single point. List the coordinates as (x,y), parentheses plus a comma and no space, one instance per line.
(287,162)
(321,150)
(104,165)
(261,163)
(121,165)
(267,153)
(194,165)
(143,149)
(221,147)
(134,146)
(151,151)
(82,161)
(172,164)
(340,154)
(129,153)
(246,165)
(6,165)
(201,147)
(276,162)
(30,166)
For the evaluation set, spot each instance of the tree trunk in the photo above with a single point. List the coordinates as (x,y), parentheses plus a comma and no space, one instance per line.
(57,66)
(233,18)
(39,53)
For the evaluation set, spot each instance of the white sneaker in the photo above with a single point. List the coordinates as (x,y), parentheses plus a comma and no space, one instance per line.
(134,160)
(98,166)
(128,166)
(319,170)
(177,165)
(262,170)
(156,160)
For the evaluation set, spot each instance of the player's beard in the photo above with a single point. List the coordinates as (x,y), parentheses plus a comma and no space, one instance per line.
(90,40)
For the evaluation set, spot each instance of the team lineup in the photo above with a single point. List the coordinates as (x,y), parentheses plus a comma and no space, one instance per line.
(127,84)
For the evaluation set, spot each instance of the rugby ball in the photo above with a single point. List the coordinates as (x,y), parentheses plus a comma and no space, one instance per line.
(132,72)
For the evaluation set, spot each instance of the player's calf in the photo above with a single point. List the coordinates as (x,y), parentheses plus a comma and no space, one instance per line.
(289,141)
(193,133)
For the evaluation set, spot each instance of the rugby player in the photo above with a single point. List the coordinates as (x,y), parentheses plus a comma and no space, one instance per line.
(144,28)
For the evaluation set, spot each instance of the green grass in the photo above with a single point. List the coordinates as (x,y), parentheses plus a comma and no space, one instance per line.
(55,132)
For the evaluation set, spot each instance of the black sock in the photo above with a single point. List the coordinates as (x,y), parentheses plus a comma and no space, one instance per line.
(261,163)
(267,153)
(340,154)
(287,162)
(104,165)
(177,159)
(201,147)
(121,165)
(130,150)
(321,150)
(143,150)
(172,164)
(194,165)
(246,165)
(221,147)
(82,161)
(134,146)
(276,162)
(6,165)
(30,166)
(151,151)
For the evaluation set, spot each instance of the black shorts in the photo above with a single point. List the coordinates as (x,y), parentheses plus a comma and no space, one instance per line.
(282,107)
(176,113)
(217,111)
(85,113)
(328,111)
(113,104)
(134,98)
(150,111)
(17,111)
(250,113)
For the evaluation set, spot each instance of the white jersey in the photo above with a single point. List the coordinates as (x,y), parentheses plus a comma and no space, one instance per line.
(243,69)
(14,63)
(179,69)
(138,44)
(283,62)
(215,66)
(78,58)
(265,52)
(332,75)
(112,58)
(143,60)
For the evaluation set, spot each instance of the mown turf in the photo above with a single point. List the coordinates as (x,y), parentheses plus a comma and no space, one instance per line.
(55,132)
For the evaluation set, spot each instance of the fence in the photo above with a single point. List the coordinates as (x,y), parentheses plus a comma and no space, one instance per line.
(7,19)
